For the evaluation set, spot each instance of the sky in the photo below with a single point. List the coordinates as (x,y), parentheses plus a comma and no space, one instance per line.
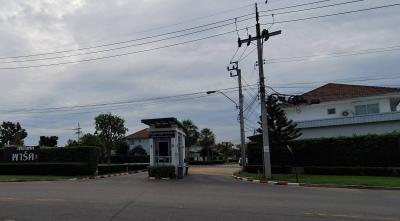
(57,33)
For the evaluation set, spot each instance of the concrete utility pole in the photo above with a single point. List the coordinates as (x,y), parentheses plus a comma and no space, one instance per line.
(235,67)
(260,37)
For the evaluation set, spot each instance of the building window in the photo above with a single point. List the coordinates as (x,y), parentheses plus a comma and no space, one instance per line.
(367,109)
(331,111)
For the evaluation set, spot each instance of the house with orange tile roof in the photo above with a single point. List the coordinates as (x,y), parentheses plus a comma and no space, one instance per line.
(345,110)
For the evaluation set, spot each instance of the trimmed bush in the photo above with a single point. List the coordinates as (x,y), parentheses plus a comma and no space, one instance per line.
(213,162)
(162,171)
(60,169)
(275,169)
(357,151)
(129,159)
(55,161)
(358,171)
(120,168)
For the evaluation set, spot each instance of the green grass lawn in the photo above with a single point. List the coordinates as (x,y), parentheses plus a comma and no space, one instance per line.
(10,178)
(332,179)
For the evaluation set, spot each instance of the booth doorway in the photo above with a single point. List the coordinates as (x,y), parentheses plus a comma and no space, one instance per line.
(163,151)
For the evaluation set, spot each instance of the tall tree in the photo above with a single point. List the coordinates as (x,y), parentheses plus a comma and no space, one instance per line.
(90,140)
(280,128)
(192,133)
(12,133)
(110,129)
(226,149)
(48,141)
(207,141)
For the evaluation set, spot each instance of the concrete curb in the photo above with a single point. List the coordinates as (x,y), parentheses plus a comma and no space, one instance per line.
(106,175)
(285,183)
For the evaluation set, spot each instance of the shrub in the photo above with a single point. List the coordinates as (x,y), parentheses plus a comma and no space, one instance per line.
(120,168)
(358,171)
(129,159)
(55,161)
(275,169)
(60,169)
(357,151)
(162,171)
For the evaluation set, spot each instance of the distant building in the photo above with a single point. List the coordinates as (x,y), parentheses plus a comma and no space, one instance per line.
(139,139)
(346,110)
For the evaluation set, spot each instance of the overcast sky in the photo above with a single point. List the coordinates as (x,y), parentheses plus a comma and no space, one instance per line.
(41,26)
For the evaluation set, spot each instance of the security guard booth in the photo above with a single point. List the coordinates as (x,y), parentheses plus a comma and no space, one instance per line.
(167,143)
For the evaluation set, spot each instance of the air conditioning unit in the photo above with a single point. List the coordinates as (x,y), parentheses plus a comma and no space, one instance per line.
(345,113)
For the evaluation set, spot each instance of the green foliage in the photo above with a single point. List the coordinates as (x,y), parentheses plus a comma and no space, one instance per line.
(90,140)
(358,171)
(280,128)
(357,151)
(206,140)
(110,129)
(122,147)
(12,133)
(120,168)
(162,171)
(225,149)
(56,161)
(192,134)
(48,141)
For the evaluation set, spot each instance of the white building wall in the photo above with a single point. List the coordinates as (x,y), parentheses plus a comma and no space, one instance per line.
(350,130)
(320,111)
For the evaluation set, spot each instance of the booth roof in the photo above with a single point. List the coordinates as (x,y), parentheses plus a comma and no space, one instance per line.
(161,121)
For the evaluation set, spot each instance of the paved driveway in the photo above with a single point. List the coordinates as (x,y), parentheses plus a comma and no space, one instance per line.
(197,197)
(222,170)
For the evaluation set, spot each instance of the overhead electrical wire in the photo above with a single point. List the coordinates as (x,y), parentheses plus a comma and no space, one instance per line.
(117,103)
(119,55)
(334,54)
(335,14)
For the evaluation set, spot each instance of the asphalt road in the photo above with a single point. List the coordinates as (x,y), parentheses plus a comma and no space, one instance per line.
(197,197)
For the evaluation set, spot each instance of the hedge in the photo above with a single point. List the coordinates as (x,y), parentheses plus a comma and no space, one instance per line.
(55,161)
(162,171)
(275,169)
(357,151)
(120,168)
(115,159)
(213,162)
(358,171)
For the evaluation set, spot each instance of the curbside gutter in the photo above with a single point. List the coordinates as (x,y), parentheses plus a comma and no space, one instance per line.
(106,175)
(285,183)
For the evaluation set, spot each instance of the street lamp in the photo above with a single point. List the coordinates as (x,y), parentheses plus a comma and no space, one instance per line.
(218,91)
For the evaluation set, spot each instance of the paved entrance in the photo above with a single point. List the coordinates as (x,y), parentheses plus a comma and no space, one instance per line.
(197,197)
(222,170)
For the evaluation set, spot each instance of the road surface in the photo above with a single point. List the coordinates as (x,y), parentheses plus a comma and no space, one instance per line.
(197,197)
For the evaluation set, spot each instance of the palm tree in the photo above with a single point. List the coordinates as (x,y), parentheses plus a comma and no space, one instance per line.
(206,140)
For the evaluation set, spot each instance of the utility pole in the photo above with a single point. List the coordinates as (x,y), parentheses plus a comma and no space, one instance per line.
(235,67)
(260,38)
(78,132)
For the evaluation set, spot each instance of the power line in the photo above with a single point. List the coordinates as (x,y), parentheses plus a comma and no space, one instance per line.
(313,8)
(127,41)
(116,103)
(122,54)
(334,54)
(124,47)
(335,14)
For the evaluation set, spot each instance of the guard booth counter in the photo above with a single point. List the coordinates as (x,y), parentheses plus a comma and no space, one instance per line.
(167,143)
